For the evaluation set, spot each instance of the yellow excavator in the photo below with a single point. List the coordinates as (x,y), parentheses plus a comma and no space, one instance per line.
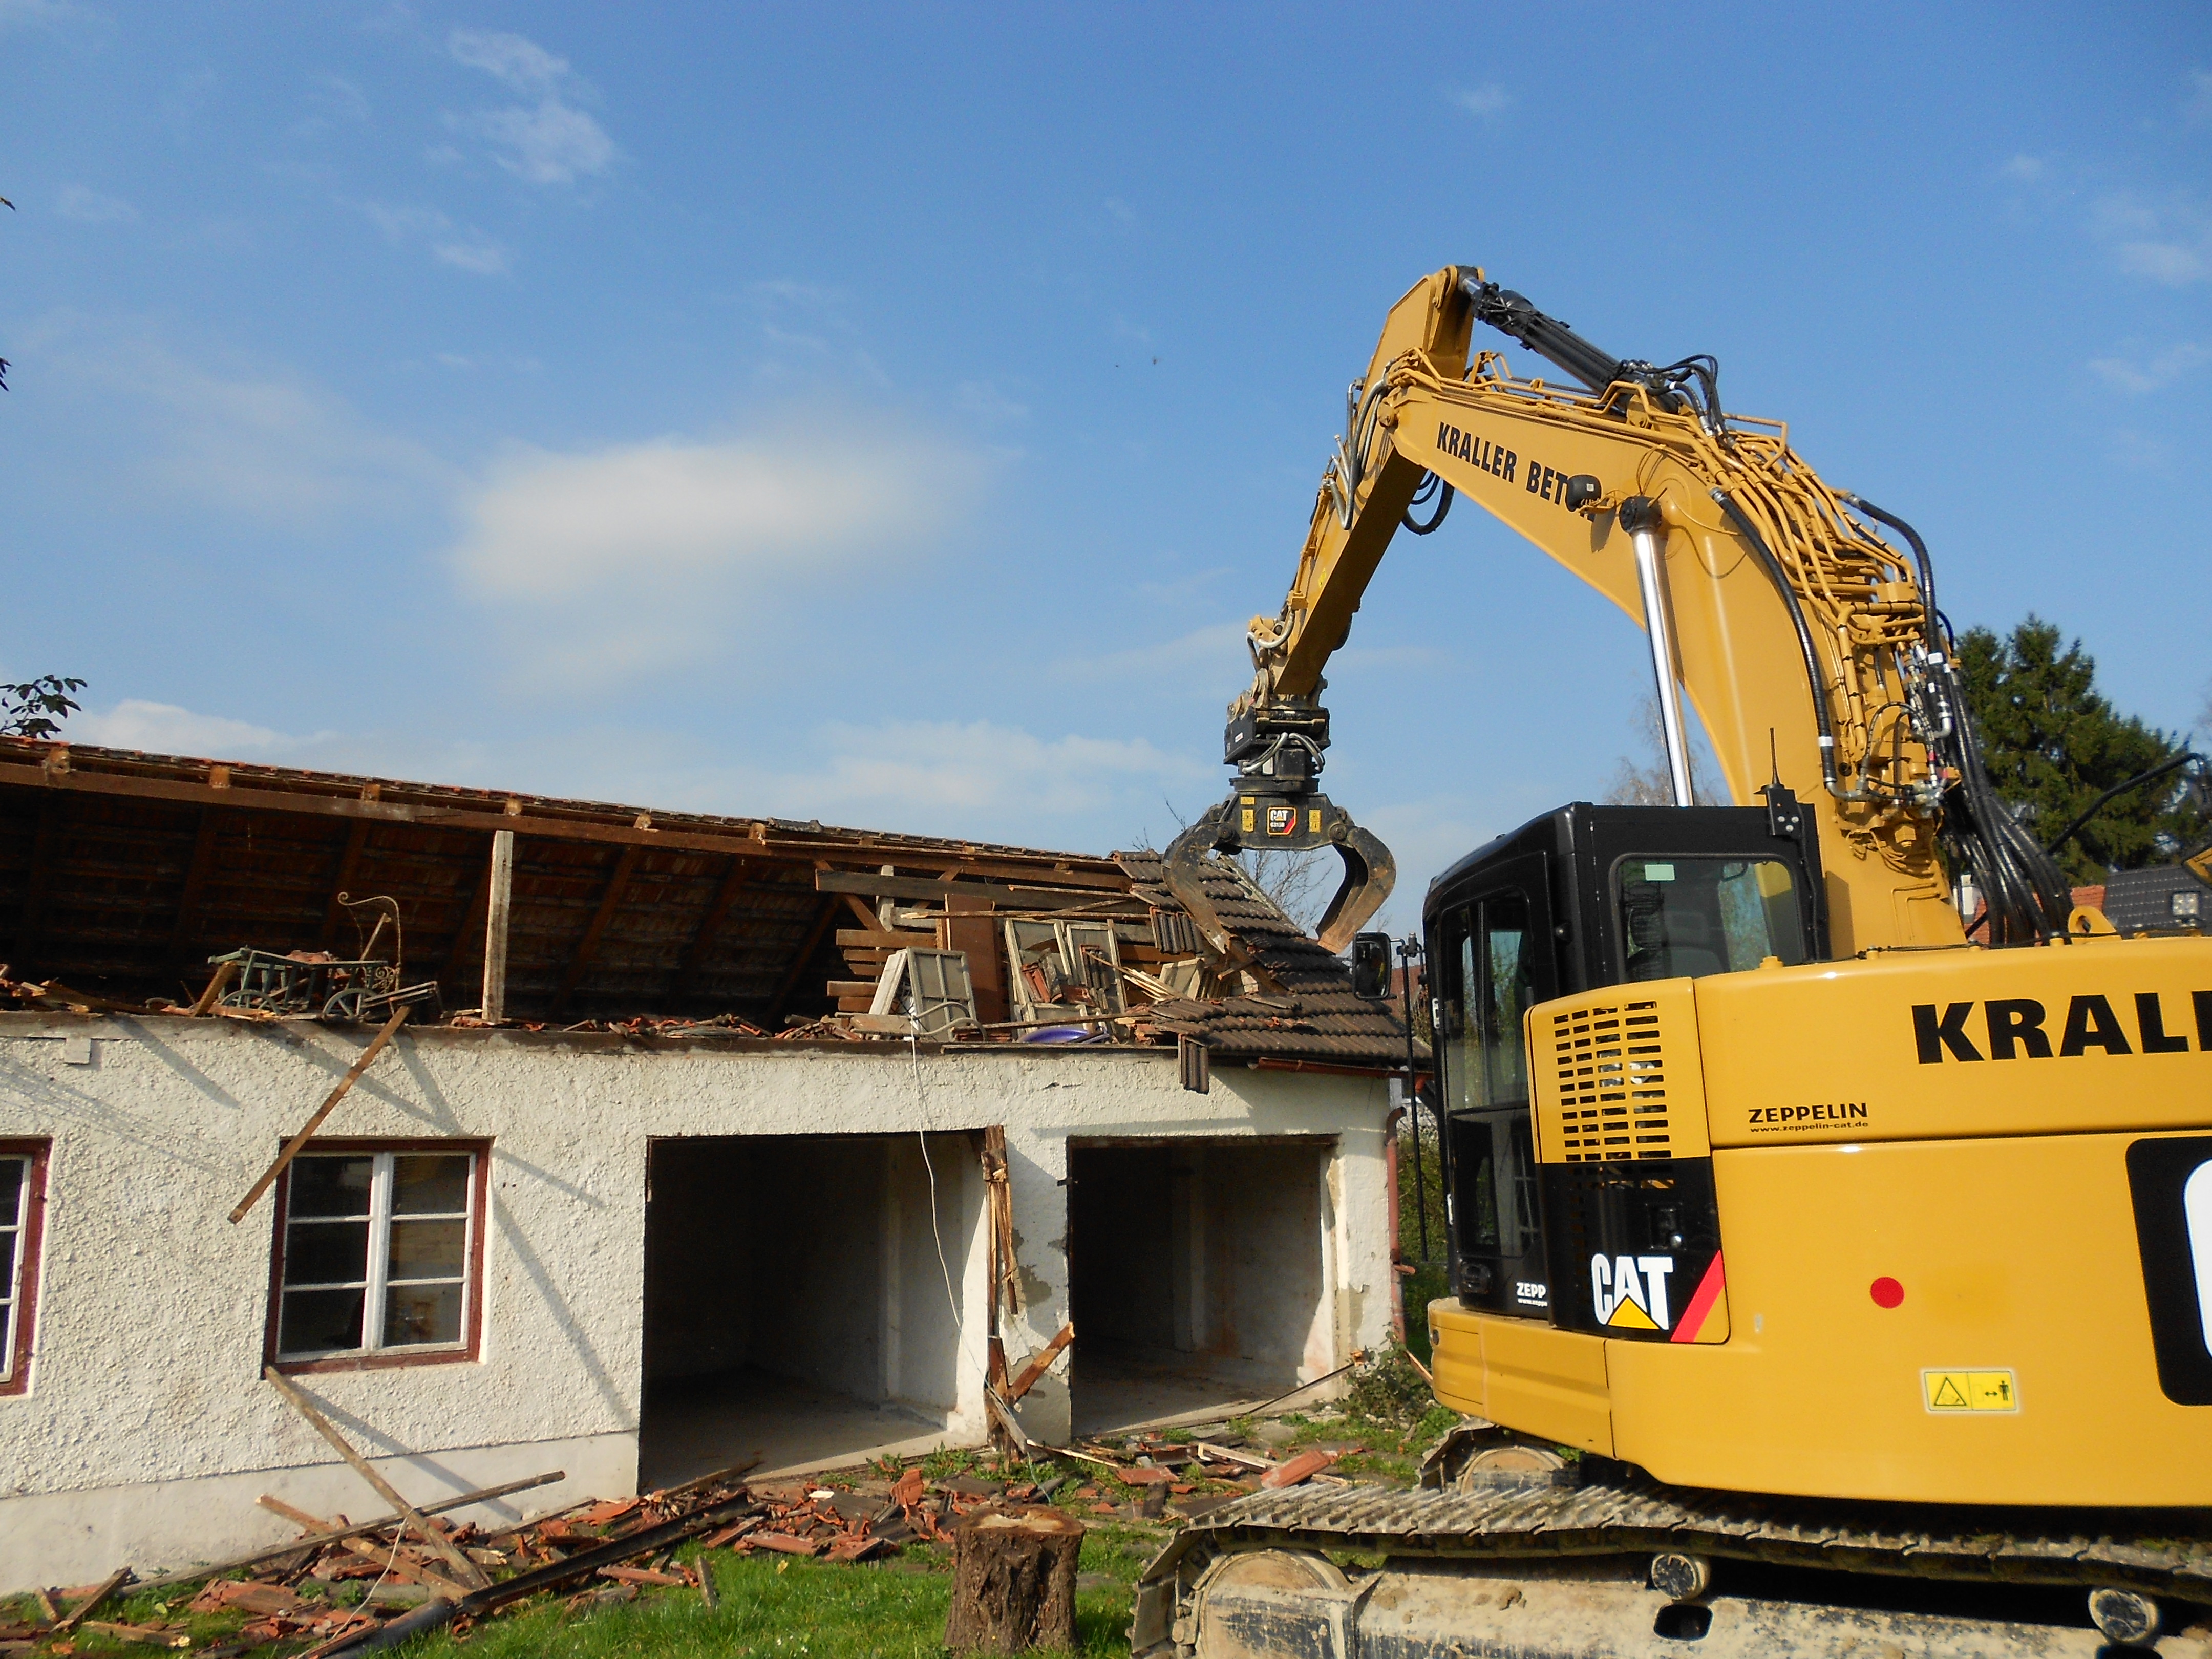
(1830,1198)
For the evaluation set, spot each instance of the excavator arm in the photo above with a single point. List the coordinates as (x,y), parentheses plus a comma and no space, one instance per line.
(1806,640)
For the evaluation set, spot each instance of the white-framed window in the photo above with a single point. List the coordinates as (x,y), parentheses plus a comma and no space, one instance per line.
(378,1254)
(22,1181)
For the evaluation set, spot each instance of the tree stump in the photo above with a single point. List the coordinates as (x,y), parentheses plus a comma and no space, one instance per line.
(1013,1580)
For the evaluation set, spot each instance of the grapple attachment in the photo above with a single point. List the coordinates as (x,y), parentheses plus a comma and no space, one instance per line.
(1258,818)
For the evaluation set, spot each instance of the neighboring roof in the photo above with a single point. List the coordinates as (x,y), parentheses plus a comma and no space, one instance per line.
(1313,1014)
(2143,900)
(121,873)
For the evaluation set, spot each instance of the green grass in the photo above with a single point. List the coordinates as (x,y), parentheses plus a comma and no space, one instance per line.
(772,1607)
(790,1608)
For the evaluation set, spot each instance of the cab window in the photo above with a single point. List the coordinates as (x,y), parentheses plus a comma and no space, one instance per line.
(1487,1069)
(1681,917)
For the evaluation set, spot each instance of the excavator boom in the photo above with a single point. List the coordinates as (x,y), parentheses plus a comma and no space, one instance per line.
(1806,642)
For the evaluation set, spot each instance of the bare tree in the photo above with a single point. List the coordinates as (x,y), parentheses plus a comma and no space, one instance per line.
(1649,784)
(1294,881)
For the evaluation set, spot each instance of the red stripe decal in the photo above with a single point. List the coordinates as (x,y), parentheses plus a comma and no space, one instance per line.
(1709,1292)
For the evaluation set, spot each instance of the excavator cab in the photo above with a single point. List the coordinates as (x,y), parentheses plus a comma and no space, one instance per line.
(1585,898)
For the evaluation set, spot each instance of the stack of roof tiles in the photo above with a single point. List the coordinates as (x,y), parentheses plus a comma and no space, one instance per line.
(1313,1015)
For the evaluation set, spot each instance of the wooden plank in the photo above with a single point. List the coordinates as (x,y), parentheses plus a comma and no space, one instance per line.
(248,794)
(100,1592)
(349,862)
(292,1146)
(392,1561)
(1006,897)
(968,927)
(480,1495)
(471,1574)
(851,987)
(802,962)
(860,938)
(858,1005)
(1041,1364)
(499,902)
(610,901)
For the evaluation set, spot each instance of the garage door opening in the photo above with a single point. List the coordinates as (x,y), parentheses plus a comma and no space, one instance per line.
(797,1307)
(1196,1276)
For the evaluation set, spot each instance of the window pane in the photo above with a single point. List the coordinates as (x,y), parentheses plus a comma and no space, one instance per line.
(11,1189)
(330,1186)
(319,1322)
(429,1184)
(428,1249)
(1683,917)
(1508,987)
(326,1253)
(422,1313)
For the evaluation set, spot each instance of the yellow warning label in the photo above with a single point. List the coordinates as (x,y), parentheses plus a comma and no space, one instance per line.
(1248,818)
(1313,819)
(1970,1391)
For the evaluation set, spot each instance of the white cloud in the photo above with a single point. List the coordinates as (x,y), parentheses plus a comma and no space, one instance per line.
(89,207)
(479,255)
(1487,101)
(640,556)
(521,63)
(255,440)
(918,770)
(1213,653)
(463,247)
(2169,242)
(549,144)
(163,728)
(985,401)
(2149,374)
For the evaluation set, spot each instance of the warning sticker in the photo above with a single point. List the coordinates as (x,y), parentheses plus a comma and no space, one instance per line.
(1970,1391)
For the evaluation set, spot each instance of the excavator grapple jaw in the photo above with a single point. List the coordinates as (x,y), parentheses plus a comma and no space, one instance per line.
(1256,819)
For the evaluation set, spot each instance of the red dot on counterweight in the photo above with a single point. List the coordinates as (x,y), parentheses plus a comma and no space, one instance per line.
(1886,1292)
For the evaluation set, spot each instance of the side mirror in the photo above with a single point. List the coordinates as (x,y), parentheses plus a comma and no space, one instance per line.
(1370,966)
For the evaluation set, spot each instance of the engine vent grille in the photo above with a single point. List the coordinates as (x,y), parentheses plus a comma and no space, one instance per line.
(1609,1065)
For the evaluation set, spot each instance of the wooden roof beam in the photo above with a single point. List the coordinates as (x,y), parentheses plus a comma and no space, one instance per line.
(610,901)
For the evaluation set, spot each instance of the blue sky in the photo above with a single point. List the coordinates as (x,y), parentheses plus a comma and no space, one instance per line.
(892,416)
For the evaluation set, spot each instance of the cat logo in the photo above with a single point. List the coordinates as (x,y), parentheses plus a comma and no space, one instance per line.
(1630,1291)
(1282,820)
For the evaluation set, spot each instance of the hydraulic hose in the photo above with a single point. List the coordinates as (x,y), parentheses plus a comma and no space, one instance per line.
(1749,532)
(1919,553)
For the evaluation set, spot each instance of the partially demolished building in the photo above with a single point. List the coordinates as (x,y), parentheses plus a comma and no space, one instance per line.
(681,1139)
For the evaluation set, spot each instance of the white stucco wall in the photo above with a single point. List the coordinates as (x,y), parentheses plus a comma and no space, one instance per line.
(146,1430)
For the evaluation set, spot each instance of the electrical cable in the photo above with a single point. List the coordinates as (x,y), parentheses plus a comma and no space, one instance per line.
(2168,764)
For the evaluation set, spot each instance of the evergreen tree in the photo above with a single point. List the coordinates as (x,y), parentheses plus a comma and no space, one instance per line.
(2053,744)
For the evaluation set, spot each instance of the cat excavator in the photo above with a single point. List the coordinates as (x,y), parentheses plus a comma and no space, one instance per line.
(1830,1198)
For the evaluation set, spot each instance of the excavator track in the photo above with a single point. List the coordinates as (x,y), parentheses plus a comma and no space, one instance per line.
(1523,1568)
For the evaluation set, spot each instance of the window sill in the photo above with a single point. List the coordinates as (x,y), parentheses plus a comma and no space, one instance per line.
(374,1362)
